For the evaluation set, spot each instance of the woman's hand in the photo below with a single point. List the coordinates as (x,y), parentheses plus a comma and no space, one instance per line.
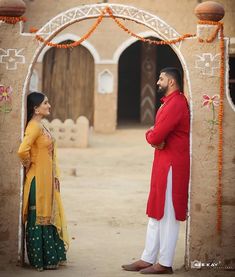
(159,146)
(57,184)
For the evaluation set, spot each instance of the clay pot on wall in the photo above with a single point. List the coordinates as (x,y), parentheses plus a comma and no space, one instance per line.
(209,10)
(12,7)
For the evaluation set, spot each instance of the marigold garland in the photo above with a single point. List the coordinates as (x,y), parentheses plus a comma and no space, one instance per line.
(33,30)
(220,119)
(12,19)
(220,27)
(156,42)
(214,35)
(100,18)
(75,43)
(164,42)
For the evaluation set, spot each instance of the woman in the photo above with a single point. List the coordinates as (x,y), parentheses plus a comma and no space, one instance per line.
(46,231)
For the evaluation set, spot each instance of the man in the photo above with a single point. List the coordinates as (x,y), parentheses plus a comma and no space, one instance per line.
(168,197)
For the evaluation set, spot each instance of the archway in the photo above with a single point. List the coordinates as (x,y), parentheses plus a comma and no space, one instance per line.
(138,70)
(61,21)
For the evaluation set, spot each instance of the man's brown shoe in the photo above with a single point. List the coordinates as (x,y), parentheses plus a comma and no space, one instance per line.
(157,269)
(136,266)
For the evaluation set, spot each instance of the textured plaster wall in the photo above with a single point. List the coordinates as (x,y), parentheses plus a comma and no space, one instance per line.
(105,114)
(177,13)
(10,134)
(205,244)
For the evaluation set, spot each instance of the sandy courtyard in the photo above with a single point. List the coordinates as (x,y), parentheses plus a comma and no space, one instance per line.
(107,199)
(105,189)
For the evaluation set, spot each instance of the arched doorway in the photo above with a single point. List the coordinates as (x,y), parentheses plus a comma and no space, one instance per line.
(138,101)
(138,70)
(68,80)
(129,74)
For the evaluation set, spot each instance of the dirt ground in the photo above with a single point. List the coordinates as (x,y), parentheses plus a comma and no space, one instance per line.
(104,190)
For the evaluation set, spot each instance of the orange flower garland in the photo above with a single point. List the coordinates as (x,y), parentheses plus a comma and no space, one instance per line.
(156,42)
(100,18)
(220,146)
(214,35)
(220,27)
(75,43)
(12,19)
(33,30)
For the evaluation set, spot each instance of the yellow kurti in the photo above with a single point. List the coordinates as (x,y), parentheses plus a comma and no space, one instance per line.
(38,152)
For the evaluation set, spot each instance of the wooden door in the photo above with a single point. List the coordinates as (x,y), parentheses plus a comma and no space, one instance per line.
(68,81)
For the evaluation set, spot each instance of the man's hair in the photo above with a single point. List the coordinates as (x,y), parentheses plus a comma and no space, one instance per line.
(175,74)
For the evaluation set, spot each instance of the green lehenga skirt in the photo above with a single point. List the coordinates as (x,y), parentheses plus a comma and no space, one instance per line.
(44,247)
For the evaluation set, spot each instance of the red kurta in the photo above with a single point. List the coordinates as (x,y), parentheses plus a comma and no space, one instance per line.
(172,125)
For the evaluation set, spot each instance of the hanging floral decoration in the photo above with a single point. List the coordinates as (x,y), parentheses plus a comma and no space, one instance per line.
(118,22)
(220,119)
(5,99)
(75,43)
(215,34)
(33,30)
(12,19)
(219,29)
(150,41)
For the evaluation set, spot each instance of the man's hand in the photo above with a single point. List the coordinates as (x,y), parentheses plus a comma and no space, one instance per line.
(57,184)
(159,146)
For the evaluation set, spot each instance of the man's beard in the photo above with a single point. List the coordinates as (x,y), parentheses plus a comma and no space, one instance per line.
(162,91)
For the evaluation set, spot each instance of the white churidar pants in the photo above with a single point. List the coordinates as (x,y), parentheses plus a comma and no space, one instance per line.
(162,235)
